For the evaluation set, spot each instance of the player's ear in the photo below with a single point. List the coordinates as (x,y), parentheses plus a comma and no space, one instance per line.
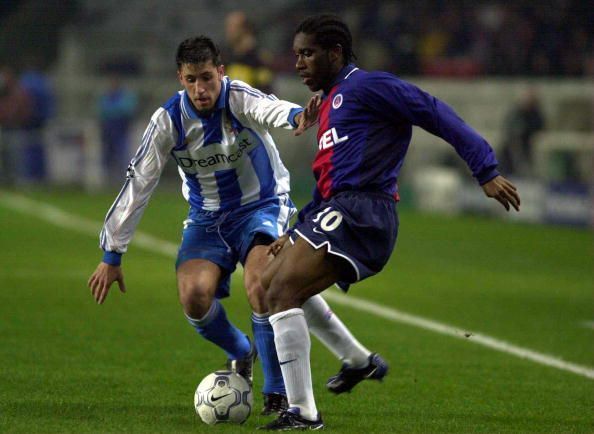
(336,53)
(221,71)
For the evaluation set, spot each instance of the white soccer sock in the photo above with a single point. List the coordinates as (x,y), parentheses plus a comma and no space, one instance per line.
(331,331)
(292,347)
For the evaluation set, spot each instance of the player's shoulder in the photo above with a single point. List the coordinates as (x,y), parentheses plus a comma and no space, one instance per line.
(173,101)
(172,106)
(369,84)
(374,78)
(238,88)
(169,112)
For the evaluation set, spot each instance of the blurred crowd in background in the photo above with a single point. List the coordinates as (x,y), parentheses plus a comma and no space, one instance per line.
(73,60)
(429,37)
(470,38)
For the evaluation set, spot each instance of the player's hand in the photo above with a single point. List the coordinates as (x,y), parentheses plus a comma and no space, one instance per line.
(309,116)
(101,280)
(277,246)
(503,191)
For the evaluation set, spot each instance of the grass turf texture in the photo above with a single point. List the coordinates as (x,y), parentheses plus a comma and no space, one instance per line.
(131,365)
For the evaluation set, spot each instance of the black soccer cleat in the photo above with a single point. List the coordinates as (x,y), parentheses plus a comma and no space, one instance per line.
(274,403)
(291,420)
(347,378)
(245,365)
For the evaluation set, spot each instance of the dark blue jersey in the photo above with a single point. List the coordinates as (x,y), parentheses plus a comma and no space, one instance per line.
(366,123)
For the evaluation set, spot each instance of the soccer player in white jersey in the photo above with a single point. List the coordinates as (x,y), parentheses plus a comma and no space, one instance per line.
(217,131)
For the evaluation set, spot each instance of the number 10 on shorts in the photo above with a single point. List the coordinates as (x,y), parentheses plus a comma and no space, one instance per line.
(328,219)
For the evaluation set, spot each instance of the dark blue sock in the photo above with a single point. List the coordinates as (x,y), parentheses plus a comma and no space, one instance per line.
(264,341)
(215,327)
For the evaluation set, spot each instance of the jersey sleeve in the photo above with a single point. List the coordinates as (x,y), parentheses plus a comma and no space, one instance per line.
(142,177)
(386,94)
(264,110)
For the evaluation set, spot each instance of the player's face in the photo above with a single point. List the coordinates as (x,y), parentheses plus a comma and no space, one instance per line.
(314,64)
(202,82)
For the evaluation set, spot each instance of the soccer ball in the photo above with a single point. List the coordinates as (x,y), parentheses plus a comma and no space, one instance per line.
(223,396)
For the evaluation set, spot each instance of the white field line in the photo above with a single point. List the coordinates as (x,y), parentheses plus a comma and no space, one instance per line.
(72,222)
(63,219)
(28,273)
(444,329)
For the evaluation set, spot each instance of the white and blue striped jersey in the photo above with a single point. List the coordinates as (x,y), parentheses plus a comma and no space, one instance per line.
(226,160)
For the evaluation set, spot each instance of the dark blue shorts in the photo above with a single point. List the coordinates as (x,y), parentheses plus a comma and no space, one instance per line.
(359,227)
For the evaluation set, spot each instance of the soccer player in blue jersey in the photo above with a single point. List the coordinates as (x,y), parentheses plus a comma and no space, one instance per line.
(217,131)
(348,231)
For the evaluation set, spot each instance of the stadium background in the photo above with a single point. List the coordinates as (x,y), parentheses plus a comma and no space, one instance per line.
(524,278)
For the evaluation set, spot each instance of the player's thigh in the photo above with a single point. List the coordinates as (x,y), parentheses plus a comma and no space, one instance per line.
(254,267)
(273,265)
(303,272)
(256,258)
(256,262)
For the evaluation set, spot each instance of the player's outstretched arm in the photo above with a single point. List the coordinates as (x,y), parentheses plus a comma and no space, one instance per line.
(309,116)
(503,191)
(101,280)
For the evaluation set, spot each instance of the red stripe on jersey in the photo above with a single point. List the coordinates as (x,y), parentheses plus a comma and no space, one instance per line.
(322,164)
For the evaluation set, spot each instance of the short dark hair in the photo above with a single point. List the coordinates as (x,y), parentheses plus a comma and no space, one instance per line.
(198,50)
(329,30)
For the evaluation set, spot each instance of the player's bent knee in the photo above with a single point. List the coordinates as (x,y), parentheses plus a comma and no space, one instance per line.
(283,293)
(195,299)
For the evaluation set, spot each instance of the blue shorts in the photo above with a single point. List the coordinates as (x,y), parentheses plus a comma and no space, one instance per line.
(225,238)
(359,227)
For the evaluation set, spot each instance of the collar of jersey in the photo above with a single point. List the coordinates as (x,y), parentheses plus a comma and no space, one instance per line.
(342,74)
(219,105)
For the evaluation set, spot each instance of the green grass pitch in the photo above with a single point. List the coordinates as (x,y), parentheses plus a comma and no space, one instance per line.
(132,365)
